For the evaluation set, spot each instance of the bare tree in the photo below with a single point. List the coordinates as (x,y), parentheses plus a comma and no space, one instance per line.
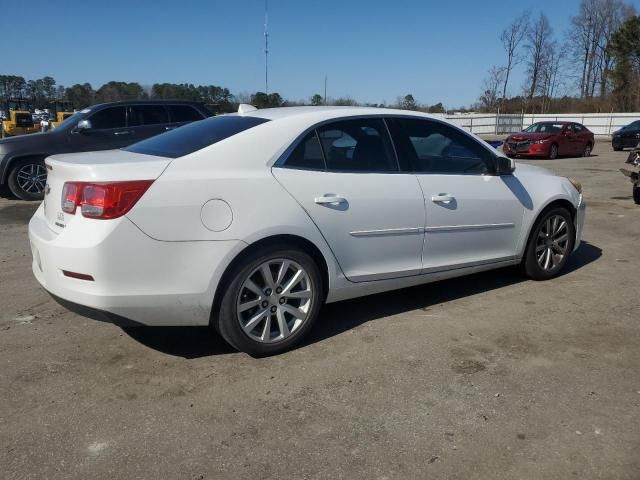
(511,39)
(491,85)
(590,33)
(539,40)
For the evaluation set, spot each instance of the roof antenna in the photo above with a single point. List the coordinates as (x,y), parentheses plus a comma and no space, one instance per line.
(266,46)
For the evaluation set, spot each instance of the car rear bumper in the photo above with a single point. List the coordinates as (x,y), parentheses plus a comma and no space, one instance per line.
(136,279)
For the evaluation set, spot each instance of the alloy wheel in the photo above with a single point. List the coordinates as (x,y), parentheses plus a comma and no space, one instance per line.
(274,301)
(32,178)
(552,242)
(553,152)
(587,151)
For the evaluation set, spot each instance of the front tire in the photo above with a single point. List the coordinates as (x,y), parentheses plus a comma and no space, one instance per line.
(271,300)
(553,152)
(636,194)
(550,244)
(27,179)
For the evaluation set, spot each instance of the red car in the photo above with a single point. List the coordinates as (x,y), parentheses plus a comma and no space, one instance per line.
(550,140)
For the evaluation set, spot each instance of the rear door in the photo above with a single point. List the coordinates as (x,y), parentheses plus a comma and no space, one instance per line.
(346,177)
(472,217)
(108,131)
(146,121)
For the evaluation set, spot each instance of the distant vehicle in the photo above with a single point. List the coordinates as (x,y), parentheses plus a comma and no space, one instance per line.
(100,127)
(550,140)
(19,123)
(627,137)
(250,222)
(634,160)
(60,117)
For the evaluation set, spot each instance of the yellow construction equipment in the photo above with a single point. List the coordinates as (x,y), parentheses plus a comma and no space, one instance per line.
(60,117)
(19,123)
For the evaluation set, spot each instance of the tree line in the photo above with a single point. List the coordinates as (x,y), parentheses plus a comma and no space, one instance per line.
(594,66)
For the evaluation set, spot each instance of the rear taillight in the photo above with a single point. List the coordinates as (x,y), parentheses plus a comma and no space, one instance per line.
(102,200)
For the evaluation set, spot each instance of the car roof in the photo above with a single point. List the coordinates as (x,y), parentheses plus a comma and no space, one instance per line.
(320,113)
(146,102)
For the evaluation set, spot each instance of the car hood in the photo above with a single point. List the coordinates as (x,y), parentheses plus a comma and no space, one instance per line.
(32,142)
(518,137)
(532,170)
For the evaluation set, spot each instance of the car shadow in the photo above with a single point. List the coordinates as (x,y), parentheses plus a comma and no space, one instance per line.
(336,318)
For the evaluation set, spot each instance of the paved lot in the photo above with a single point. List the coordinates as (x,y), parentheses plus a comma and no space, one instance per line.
(485,377)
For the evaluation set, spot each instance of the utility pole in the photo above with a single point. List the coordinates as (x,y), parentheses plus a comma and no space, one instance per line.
(266,47)
(325,90)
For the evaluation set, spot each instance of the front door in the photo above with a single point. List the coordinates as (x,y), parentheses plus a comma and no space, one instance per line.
(108,131)
(472,217)
(346,177)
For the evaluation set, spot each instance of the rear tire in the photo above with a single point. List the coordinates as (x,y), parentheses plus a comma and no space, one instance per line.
(27,178)
(549,245)
(617,149)
(587,150)
(277,314)
(636,194)
(553,152)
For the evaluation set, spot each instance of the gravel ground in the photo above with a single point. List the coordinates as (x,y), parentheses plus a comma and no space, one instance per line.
(490,376)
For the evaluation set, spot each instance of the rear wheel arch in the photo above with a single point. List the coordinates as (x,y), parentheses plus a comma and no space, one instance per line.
(283,240)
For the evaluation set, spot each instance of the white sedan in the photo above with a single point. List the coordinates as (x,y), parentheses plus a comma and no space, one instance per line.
(250,222)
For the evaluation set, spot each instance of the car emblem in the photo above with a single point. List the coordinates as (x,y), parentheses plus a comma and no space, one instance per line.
(47,189)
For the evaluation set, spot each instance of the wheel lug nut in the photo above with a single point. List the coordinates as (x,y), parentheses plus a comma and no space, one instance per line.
(278,290)
(265,304)
(273,309)
(268,291)
(282,300)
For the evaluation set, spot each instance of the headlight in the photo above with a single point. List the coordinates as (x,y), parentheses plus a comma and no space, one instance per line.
(541,141)
(576,184)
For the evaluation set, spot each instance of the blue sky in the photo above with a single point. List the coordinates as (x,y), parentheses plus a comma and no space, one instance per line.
(370,50)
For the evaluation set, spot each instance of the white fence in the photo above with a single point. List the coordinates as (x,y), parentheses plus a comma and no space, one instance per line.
(598,123)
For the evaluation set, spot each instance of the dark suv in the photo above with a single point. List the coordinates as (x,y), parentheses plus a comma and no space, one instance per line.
(99,127)
(627,136)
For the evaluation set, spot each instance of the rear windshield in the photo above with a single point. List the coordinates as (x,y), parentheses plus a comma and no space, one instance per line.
(194,136)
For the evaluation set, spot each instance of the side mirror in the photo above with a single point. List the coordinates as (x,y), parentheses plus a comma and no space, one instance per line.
(505,165)
(83,125)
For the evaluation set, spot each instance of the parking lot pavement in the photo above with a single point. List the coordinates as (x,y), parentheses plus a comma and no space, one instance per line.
(489,376)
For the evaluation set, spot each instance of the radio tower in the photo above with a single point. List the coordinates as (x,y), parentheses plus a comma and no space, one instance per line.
(266,46)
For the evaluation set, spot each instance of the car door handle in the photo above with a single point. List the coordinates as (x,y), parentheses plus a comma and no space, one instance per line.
(329,198)
(442,198)
(122,132)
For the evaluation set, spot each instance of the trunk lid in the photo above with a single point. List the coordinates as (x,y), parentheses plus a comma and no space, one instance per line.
(105,166)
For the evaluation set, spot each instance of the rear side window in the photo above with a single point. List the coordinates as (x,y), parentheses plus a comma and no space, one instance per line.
(183,113)
(113,117)
(308,153)
(194,136)
(432,147)
(147,115)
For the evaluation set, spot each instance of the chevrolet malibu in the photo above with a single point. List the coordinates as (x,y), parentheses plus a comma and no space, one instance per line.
(250,222)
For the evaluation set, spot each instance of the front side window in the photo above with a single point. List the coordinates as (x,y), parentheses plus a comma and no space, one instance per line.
(112,117)
(358,145)
(427,146)
(147,115)
(195,136)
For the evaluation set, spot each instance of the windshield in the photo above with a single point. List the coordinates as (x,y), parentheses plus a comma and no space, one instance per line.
(545,128)
(194,136)
(71,120)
